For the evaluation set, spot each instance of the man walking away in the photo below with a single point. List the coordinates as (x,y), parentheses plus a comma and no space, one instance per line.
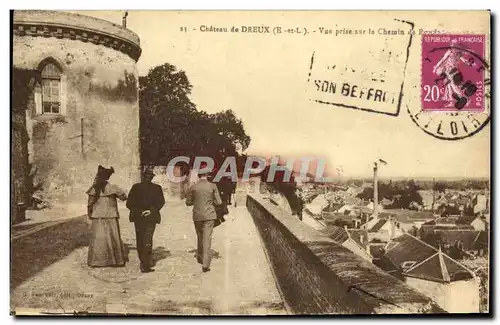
(203,196)
(224,186)
(145,201)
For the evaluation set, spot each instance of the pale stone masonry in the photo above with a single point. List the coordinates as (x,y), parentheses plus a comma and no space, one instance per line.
(85,108)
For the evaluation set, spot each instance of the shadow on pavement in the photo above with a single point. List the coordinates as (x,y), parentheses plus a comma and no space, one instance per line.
(159,253)
(213,254)
(21,229)
(32,253)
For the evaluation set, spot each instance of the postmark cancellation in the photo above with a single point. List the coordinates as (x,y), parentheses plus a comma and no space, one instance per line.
(454,87)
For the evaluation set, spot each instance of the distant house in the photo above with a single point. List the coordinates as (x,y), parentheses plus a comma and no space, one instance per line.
(433,273)
(451,222)
(458,242)
(409,218)
(480,223)
(480,203)
(316,205)
(382,229)
(355,240)
(341,219)
(366,185)
(459,204)
(431,227)
(333,207)
(353,191)
(365,211)
(352,200)
(427,199)
(346,207)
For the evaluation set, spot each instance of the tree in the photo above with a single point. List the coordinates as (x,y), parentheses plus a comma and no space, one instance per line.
(23,82)
(439,187)
(171,125)
(408,197)
(166,115)
(231,128)
(385,190)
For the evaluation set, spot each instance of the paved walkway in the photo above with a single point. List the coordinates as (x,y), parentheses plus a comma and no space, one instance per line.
(240,282)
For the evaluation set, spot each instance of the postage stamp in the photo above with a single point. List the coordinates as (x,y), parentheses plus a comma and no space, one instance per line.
(455,86)
(452,72)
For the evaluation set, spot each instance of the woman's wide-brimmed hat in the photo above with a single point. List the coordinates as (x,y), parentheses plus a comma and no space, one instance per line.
(104,173)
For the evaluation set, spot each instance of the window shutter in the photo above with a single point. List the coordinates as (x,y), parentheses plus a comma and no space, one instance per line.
(63,94)
(38,99)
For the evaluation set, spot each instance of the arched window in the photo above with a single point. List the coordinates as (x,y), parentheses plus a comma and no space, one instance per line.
(51,89)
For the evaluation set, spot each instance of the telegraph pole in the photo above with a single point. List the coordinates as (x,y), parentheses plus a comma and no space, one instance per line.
(433,194)
(375,185)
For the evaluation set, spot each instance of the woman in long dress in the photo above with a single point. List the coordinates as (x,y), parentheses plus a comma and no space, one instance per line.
(106,246)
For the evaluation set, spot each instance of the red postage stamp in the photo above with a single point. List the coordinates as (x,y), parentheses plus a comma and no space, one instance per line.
(452,76)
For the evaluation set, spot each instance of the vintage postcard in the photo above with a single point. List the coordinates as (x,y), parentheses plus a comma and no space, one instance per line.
(250,162)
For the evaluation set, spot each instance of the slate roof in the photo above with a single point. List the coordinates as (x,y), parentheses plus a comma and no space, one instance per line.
(376,227)
(338,234)
(408,248)
(356,235)
(425,230)
(468,237)
(352,200)
(385,215)
(440,268)
(332,216)
(366,210)
(430,264)
(377,251)
(445,221)
(333,207)
(409,215)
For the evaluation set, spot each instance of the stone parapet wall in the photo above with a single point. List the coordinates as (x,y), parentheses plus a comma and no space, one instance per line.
(318,276)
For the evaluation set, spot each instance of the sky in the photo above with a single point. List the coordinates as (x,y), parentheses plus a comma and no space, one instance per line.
(263,79)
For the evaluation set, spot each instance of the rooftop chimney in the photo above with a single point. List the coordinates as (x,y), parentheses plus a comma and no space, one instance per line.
(124,20)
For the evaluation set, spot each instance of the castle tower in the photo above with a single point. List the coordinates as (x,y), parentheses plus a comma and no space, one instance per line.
(84,110)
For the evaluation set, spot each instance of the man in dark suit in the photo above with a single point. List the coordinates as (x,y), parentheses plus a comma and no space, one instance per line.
(224,186)
(145,201)
(203,196)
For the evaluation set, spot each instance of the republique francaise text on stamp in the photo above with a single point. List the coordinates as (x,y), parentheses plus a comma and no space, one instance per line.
(454,92)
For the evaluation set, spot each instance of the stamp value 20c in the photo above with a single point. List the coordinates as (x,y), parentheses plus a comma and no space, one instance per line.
(454,93)
(452,72)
